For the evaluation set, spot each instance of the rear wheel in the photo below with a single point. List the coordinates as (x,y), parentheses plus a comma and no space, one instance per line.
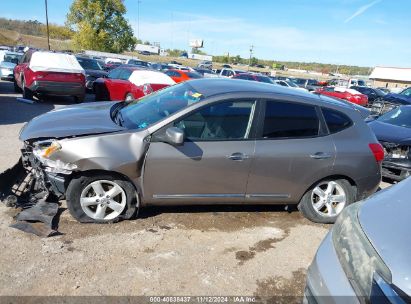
(16,87)
(326,199)
(101,198)
(27,93)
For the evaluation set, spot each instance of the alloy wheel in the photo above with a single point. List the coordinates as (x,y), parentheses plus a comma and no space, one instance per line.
(103,200)
(328,198)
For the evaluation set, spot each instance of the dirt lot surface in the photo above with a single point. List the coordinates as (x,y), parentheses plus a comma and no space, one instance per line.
(262,251)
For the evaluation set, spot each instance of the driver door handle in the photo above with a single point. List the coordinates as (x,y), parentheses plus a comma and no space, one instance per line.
(238,156)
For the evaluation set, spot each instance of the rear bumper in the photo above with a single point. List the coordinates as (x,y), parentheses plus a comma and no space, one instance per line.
(326,280)
(396,169)
(58,88)
(368,185)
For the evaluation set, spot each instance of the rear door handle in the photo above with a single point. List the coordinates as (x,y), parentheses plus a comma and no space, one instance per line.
(238,156)
(320,155)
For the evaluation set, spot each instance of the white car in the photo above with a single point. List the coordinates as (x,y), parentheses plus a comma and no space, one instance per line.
(8,60)
(290,84)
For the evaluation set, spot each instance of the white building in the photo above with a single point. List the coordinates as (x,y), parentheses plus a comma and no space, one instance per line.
(390,77)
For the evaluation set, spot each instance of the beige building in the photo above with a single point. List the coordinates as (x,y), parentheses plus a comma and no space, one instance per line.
(391,77)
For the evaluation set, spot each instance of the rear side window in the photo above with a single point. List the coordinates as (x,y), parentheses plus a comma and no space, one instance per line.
(290,120)
(336,121)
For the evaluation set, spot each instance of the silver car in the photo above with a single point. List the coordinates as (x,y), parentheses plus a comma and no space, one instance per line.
(209,141)
(365,258)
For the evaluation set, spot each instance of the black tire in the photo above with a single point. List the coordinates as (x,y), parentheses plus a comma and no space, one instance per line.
(17,89)
(79,183)
(27,93)
(79,99)
(307,209)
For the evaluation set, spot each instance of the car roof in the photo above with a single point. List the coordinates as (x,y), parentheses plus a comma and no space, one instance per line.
(218,86)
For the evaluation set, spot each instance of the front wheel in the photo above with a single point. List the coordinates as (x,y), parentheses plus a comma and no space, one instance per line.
(326,199)
(101,198)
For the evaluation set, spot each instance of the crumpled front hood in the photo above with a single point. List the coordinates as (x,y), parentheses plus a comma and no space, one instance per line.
(398,98)
(385,219)
(84,119)
(391,133)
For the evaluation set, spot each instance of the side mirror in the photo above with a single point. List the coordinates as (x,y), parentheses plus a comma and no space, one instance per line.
(173,136)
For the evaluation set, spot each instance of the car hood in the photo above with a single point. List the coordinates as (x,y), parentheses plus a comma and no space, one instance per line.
(385,219)
(96,73)
(84,119)
(390,133)
(398,98)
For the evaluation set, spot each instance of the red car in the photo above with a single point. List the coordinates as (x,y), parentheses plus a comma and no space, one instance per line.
(46,73)
(129,83)
(180,76)
(345,93)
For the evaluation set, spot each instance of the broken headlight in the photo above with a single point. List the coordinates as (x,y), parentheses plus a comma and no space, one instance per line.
(43,150)
(358,258)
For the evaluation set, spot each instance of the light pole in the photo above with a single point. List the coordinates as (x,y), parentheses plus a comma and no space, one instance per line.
(47,25)
(251,54)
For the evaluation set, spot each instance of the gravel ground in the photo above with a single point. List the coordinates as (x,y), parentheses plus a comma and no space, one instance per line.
(260,251)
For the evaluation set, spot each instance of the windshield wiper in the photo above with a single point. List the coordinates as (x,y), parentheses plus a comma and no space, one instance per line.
(116,114)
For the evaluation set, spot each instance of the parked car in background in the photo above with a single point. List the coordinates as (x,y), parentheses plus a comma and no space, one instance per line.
(204,142)
(393,130)
(344,93)
(8,60)
(372,94)
(229,73)
(365,256)
(93,71)
(226,66)
(180,76)
(42,73)
(129,82)
(309,84)
(289,84)
(206,72)
(138,62)
(254,77)
(402,98)
(205,65)
(158,66)
(111,65)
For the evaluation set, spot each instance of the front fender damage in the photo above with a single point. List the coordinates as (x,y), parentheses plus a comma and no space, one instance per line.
(21,188)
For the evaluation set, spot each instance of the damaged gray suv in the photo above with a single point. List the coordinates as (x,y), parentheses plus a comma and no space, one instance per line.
(209,141)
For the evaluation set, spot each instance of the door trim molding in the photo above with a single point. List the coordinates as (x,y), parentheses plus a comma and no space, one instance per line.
(191,196)
(268,195)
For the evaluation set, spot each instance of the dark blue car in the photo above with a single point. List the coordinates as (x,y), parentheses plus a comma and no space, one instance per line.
(393,130)
(403,98)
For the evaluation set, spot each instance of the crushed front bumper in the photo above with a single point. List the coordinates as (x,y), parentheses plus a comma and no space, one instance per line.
(54,183)
(396,169)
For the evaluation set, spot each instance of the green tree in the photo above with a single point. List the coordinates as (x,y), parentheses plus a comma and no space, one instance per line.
(100,25)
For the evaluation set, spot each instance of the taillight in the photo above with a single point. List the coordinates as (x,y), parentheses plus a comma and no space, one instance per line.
(378,151)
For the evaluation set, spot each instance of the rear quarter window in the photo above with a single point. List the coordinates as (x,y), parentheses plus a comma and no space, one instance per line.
(336,121)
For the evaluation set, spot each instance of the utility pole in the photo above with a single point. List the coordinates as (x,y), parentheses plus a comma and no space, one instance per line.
(47,25)
(251,55)
(138,19)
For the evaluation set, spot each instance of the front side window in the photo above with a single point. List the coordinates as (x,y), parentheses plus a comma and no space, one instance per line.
(229,120)
(114,74)
(336,121)
(406,92)
(290,120)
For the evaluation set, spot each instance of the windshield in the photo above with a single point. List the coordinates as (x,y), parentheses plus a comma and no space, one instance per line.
(154,107)
(292,84)
(89,64)
(361,83)
(406,92)
(265,79)
(399,117)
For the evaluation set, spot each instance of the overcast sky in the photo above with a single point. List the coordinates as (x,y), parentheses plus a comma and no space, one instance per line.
(358,32)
